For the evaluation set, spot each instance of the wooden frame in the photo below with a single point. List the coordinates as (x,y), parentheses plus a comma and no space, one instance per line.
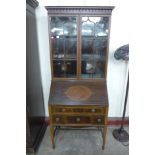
(92,111)
(78,12)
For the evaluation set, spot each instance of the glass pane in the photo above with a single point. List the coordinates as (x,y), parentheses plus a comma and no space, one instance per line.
(64,68)
(57,48)
(64,45)
(94,46)
(70,45)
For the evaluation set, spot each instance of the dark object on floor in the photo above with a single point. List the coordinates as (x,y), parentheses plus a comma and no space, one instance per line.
(122,53)
(120,134)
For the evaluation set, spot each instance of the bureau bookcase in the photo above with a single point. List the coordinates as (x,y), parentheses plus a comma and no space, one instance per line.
(79,44)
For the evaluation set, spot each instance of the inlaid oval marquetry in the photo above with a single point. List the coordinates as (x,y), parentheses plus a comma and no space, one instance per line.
(78,93)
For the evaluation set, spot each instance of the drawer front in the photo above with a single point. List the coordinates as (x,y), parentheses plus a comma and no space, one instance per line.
(62,110)
(93,110)
(78,119)
(85,110)
(57,119)
(98,120)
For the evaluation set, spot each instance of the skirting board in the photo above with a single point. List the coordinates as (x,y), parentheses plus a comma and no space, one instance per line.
(111,120)
(118,120)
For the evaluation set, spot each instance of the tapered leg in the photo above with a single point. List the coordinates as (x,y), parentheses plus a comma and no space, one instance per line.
(52,136)
(104,131)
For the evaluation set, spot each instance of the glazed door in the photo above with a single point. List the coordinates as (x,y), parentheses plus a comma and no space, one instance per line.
(63,35)
(94,36)
(79,46)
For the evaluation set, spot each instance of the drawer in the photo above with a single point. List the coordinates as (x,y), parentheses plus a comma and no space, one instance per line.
(57,119)
(85,110)
(93,110)
(88,110)
(78,120)
(94,120)
(62,110)
(98,120)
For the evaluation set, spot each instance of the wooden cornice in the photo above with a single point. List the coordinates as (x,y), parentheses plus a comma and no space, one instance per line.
(106,10)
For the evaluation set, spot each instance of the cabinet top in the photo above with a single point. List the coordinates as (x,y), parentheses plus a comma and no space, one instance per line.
(106,10)
(78,93)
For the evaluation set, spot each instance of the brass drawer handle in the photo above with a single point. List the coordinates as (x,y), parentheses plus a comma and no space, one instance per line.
(99,120)
(77,119)
(57,119)
(63,110)
(93,110)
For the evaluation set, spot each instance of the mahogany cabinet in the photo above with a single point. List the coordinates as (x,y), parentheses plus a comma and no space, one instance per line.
(79,44)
